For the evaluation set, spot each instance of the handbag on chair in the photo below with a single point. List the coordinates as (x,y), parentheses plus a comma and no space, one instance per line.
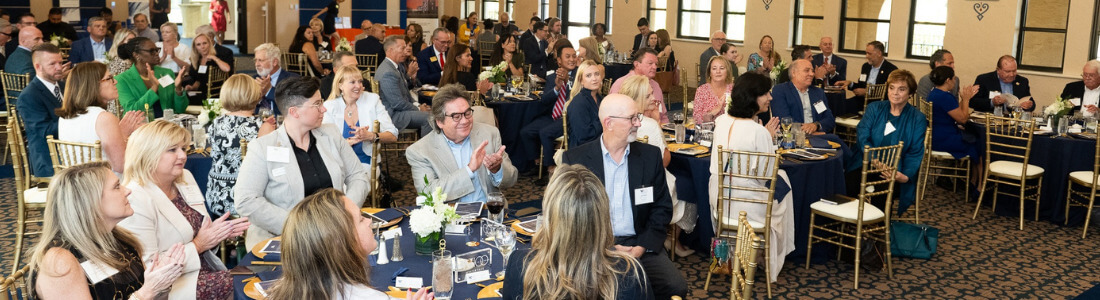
(913,240)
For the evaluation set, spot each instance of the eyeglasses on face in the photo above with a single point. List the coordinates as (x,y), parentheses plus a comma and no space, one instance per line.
(468,114)
(633,119)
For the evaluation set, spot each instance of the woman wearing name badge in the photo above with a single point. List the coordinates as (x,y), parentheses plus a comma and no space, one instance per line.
(146,85)
(169,209)
(79,234)
(738,129)
(885,123)
(203,59)
(326,242)
(353,111)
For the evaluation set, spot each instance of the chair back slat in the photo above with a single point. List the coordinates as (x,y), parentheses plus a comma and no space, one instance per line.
(744,176)
(876,161)
(748,244)
(605,89)
(295,62)
(15,286)
(876,92)
(367,62)
(19,161)
(214,80)
(1004,137)
(13,85)
(65,154)
(485,51)
(375,171)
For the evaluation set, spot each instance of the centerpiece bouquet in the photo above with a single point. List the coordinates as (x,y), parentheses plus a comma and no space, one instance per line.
(779,69)
(344,45)
(428,221)
(60,41)
(1059,108)
(495,75)
(211,109)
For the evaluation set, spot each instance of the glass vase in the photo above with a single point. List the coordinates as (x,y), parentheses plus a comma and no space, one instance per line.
(427,244)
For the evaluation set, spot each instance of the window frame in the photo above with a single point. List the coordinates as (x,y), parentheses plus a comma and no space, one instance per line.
(912,24)
(608,5)
(796,37)
(680,19)
(564,17)
(725,20)
(1020,41)
(844,19)
(544,9)
(1094,44)
(485,8)
(649,15)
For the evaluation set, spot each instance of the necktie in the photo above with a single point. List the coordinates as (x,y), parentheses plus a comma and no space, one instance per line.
(440,60)
(57,92)
(559,105)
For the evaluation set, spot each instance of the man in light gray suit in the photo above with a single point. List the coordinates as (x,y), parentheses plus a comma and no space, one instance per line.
(716,40)
(454,155)
(393,90)
(293,162)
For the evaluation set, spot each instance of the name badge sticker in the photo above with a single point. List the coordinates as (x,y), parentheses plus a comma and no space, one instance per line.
(820,107)
(643,195)
(889,129)
(202,69)
(862,77)
(165,81)
(278,154)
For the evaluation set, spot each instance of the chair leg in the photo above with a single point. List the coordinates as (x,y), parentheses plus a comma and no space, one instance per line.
(981,195)
(539,162)
(768,264)
(810,242)
(856,255)
(1088,217)
(966,178)
(1069,196)
(20,232)
(710,272)
(675,236)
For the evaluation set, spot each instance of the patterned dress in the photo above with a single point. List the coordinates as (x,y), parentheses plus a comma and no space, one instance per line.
(118,286)
(213,284)
(224,139)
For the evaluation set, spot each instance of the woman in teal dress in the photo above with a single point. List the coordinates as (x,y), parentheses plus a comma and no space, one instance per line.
(885,123)
(948,113)
(141,86)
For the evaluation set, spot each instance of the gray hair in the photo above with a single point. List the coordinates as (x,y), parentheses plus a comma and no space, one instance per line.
(937,57)
(205,29)
(337,57)
(439,30)
(90,20)
(271,51)
(170,24)
(444,96)
(390,41)
(1094,64)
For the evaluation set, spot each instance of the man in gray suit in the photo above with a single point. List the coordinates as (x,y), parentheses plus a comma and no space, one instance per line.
(465,170)
(716,40)
(393,89)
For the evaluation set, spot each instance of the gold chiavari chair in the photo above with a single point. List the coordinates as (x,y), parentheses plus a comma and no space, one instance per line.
(367,62)
(28,196)
(738,173)
(698,76)
(65,53)
(857,219)
(296,62)
(922,176)
(662,64)
(214,80)
(244,148)
(12,84)
(1003,139)
(606,87)
(943,164)
(65,154)
(744,259)
(485,52)
(375,171)
(1088,180)
(875,92)
(15,286)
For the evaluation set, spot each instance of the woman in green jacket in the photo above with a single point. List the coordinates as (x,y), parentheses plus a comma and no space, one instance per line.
(143,85)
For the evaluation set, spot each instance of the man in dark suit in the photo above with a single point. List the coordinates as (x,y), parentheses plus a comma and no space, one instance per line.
(638,196)
(874,71)
(36,105)
(372,44)
(534,49)
(1004,80)
(547,126)
(433,58)
(799,99)
(639,39)
(55,26)
(530,32)
(95,46)
(836,67)
(1086,90)
(19,61)
(716,40)
(269,73)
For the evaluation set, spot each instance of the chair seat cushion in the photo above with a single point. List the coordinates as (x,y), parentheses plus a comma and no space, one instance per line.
(1082,177)
(34,195)
(731,224)
(1012,169)
(945,155)
(847,122)
(848,212)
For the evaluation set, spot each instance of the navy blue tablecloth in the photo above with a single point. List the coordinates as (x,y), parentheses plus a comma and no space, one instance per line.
(199,165)
(382,276)
(512,117)
(1058,156)
(810,181)
(615,71)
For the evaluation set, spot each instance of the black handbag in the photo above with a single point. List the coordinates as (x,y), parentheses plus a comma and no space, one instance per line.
(913,240)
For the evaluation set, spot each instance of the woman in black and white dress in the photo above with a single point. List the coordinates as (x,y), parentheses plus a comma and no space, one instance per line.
(240,94)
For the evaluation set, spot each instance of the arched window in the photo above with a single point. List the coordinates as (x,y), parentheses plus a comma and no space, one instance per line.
(864,21)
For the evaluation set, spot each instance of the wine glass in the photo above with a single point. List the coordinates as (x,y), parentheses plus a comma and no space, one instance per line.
(265,112)
(516,81)
(506,242)
(786,123)
(496,205)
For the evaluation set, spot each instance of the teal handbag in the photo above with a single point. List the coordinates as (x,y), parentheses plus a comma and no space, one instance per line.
(913,240)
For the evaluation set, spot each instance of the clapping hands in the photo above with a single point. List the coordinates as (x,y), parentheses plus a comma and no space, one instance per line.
(491,162)
(212,233)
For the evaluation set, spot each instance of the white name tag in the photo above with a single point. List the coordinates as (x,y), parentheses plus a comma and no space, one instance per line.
(392,233)
(278,172)
(889,129)
(202,69)
(862,77)
(165,81)
(97,272)
(994,94)
(643,196)
(820,107)
(1075,101)
(403,282)
(456,229)
(278,154)
(478,276)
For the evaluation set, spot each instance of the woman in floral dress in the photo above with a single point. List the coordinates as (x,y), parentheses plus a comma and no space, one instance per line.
(240,94)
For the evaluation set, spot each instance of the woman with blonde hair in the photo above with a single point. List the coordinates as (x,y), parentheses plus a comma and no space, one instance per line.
(83,117)
(203,58)
(583,106)
(574,256)
(240,94)
(710,98)
(173,54)
(353,111)
(765,58)
(83,205)
(169,210)
(326,242)
(115,64)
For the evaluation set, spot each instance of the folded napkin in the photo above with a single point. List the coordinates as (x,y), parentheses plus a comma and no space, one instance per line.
(273,257)
(399,272)
(276,273)
(389,214)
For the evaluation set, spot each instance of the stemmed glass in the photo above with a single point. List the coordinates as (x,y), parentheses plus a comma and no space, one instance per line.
(506,242)
(496,205)
(785,123)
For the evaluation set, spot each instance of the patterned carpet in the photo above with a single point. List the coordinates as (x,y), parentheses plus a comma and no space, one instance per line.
(987,258)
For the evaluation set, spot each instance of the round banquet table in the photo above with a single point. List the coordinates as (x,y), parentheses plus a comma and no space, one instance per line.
(810,181)
(512,117)
(383,276)
(199,165)
(615,71)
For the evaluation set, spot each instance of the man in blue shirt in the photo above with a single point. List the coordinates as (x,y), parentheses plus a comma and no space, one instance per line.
(475,162)
(95,46)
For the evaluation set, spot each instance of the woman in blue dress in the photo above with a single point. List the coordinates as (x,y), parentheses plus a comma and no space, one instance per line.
(885,123)
(949,115)
(353,111)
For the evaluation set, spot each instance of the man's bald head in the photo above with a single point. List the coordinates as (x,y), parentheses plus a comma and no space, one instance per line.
(30,37)
(616,105)
(619,117)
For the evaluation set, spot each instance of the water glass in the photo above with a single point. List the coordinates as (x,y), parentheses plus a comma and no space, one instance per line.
(681,133)
(442,274)
(506,242)
(473,237)
(999,111)
(1063,126)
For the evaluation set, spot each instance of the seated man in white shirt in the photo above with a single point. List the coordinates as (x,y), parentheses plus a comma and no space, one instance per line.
(1086,91)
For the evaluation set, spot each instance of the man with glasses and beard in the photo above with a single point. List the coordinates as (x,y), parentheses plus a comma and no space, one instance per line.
(269,73)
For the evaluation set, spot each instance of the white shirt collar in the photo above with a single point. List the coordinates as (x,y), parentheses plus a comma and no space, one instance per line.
(49,85)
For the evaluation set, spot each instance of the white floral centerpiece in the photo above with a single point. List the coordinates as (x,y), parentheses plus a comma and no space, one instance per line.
(344,45)
(59,41)
(779,68)
(1060,107)
(428,221)
(211,109)
(496,74)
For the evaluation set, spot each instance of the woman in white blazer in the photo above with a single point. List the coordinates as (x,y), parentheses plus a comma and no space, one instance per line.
(169,210)
(281,168)
(353,111)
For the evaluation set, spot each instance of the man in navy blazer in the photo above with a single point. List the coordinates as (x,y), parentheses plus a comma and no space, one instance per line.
(875,71)
(433,58)
(269,73)
(1086,90)
(95,46)
(798,98)
(639,39)
(534,49)
(36,105)
(372,44)
(836,67)
(547,126)
(638,197)
(1004,80)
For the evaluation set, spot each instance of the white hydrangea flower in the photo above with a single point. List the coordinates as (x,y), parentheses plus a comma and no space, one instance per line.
(424,221)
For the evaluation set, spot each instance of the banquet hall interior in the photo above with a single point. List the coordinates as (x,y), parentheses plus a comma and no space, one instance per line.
(1006,217)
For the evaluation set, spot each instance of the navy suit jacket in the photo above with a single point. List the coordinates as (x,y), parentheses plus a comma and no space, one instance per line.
(645,169)
(534,54)
(990,82)
(637,43)
(430,70)
(840,63)
(82,50)
(36,106)
(1074,89)
(584,119)
(19,62)
(549,96)
(883,73)
(269,98)
(787,103)
(368,45)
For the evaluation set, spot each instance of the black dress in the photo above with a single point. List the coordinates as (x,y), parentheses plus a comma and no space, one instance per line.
(330,17)
(307,62)
(160,18)
(117,286)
